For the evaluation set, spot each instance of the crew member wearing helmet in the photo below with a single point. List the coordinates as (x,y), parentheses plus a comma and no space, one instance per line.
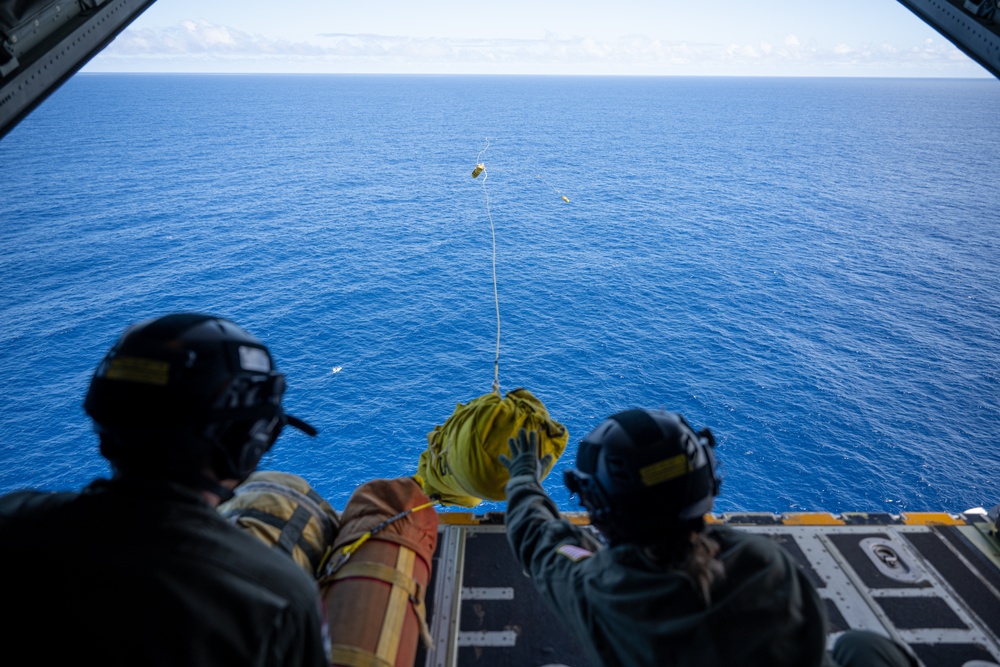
(140,569)
(658,586)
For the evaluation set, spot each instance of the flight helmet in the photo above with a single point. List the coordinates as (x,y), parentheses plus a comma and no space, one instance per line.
(642,475)
(181,389)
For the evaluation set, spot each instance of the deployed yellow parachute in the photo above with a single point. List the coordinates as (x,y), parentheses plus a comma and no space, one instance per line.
(460,464)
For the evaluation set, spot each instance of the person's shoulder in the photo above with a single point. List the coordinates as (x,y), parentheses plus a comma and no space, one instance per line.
(182,528)
(267,565)
(726,535)
(32,502)
(280,575)
(734,542)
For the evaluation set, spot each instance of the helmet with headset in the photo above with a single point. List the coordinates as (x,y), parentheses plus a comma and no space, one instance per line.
(179,392)
(644,474)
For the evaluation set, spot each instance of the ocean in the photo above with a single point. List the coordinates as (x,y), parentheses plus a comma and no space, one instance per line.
(808,267)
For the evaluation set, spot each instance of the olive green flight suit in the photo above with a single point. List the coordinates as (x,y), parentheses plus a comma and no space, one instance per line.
(630,610)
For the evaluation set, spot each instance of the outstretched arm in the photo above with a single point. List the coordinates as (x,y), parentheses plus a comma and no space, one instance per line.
(541,540)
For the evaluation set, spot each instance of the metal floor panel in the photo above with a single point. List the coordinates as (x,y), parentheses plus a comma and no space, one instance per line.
(930,581)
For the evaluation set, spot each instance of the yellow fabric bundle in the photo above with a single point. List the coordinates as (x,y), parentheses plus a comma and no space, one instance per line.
(460,464)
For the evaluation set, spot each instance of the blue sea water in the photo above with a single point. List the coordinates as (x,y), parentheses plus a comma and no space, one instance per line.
(809,267)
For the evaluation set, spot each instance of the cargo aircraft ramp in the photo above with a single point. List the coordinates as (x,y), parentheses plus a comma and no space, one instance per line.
(931,580)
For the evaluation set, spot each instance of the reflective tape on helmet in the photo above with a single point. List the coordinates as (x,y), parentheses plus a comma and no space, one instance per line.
(665,470)
(135,369)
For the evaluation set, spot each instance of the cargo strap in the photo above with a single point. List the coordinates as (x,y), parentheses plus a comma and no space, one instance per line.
(346,551)
(307,506)
(352,656)
(291,533)
(311,500)
(404,587)
(381,572)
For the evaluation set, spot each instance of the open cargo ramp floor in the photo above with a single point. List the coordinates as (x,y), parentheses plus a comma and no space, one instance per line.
(931,580)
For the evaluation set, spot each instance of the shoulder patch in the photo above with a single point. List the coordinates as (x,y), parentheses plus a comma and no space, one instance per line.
(574,553)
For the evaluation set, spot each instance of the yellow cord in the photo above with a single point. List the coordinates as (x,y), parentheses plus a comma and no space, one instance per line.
(346,552)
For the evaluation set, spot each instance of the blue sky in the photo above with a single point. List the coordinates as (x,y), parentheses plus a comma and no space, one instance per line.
(624,37)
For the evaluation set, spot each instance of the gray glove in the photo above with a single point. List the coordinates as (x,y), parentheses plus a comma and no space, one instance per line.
(524,456)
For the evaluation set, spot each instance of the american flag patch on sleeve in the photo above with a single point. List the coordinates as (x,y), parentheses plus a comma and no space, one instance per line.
(574,553)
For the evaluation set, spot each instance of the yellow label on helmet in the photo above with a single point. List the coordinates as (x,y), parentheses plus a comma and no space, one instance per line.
(134,369)
(665,470)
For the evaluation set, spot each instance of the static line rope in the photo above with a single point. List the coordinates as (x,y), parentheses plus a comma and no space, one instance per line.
(561,195)
(481,169)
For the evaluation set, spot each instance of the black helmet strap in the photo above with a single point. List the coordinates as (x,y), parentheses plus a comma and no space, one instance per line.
(308,429)
(202,482)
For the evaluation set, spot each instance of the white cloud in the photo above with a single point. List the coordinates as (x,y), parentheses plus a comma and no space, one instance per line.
(204,46)
(201,38)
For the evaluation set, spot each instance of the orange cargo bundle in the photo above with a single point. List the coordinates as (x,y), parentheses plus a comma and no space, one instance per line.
(375,583)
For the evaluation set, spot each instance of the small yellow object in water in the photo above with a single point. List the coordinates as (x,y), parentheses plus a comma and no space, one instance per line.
(478,170)
(565,199)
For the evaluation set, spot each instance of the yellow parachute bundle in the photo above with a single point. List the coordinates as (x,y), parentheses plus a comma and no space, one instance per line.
(460,463)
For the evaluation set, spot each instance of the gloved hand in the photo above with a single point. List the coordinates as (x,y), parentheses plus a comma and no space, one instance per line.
(524,456)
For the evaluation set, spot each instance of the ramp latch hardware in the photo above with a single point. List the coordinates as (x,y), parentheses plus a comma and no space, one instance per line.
(892,560)
(886,555)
